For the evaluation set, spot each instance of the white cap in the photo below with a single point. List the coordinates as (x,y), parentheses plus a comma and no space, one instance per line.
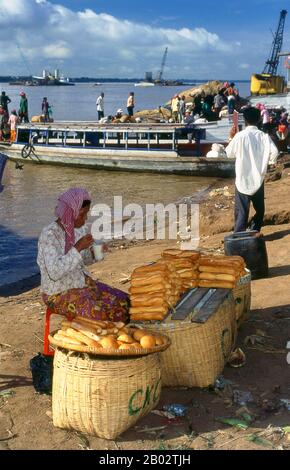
(119,111)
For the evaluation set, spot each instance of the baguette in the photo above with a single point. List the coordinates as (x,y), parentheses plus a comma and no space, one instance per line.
(59,336)
(220,262)
(217,284)
(147,281)
(217,277)
(149,303)
(218,270)
(97,323)
(155,309)
(159,287)
(77,326)
(145,297)
(81,337)
(150,268)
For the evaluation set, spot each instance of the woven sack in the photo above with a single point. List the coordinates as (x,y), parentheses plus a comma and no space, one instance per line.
(103,397)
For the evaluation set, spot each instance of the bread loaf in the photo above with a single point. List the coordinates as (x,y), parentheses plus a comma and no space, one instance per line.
(147,316)
(125,338)
(60,336)
(137,335)
(147,341)
(219,284)
(81,337)
(109,343)
(217,277)
(158,287)
(218,270)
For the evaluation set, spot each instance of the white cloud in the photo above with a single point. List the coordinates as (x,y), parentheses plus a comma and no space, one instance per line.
(97,44)
(244,66)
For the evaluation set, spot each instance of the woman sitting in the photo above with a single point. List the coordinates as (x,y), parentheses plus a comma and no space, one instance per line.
(63,250)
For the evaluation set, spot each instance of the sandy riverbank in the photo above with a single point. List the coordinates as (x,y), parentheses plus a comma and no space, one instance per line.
(25,417)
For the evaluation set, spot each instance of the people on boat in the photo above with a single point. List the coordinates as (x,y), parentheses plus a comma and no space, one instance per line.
(4,101)
(130,104)
(3,120)
(23,108)
(218,103)
(175,108)
(64,248)
(118,115)
(13,121)
(100,106)
(181,108)
(253,150)
(231,93)
(45,109)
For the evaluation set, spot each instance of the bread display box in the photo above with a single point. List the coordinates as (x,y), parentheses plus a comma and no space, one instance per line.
(202,329)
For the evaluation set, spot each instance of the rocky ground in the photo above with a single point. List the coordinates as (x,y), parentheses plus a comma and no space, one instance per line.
(253,391)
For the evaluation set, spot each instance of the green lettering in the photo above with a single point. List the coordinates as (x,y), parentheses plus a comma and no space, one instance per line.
(133,411)
(147,396)
(156,397)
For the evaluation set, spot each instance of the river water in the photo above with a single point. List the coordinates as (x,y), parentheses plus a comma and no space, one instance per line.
(29,197)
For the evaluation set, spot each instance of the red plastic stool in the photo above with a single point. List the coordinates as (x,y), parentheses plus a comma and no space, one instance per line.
(46,347)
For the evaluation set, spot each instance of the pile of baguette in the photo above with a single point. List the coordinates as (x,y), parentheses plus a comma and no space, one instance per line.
(186,264)
(157,287)
(105,335)
(220,271)
(154,288)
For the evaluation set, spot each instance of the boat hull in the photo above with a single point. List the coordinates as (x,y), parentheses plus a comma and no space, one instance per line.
(167,163)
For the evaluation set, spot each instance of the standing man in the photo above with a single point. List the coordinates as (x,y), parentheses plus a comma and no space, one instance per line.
(4,101)
(253,150)
(23,108)
(100,106)
(175,108)
(44,109)
(130,104)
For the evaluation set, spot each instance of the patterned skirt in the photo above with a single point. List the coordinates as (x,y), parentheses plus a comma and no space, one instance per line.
(97,301)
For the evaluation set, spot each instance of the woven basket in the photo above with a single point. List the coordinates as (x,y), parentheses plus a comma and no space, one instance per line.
(242,296)
(198,351)
(103,397)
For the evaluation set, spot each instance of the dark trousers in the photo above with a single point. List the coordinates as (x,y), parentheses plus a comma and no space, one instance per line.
(242,208)
(100,114)
(130,110)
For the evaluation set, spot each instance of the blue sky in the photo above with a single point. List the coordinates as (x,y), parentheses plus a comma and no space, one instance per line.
(125,38)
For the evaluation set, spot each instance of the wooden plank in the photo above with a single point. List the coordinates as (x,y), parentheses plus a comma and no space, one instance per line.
(204,312)
(188,302)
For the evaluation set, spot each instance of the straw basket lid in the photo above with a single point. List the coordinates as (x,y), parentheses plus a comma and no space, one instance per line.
(111,352)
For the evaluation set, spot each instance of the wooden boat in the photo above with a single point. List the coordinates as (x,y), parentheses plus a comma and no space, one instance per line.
(150,147)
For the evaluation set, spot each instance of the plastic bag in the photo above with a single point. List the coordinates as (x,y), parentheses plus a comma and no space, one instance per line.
(41,369)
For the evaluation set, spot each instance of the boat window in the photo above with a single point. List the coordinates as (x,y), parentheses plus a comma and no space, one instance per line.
(74,139)
(93,139)
(23,136)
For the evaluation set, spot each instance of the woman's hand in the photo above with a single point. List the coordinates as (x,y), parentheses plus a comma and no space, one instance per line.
(84,243)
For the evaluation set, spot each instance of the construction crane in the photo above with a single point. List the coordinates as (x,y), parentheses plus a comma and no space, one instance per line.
(268,82)
(272,63)
(160,74)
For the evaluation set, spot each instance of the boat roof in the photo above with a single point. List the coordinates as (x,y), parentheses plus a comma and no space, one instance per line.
(94,126)
(91,126)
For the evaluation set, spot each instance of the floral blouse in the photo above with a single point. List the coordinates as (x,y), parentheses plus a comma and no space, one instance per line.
(60,272)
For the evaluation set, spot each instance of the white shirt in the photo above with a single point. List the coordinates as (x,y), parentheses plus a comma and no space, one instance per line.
(60,272)
(253,150)
(100,103)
